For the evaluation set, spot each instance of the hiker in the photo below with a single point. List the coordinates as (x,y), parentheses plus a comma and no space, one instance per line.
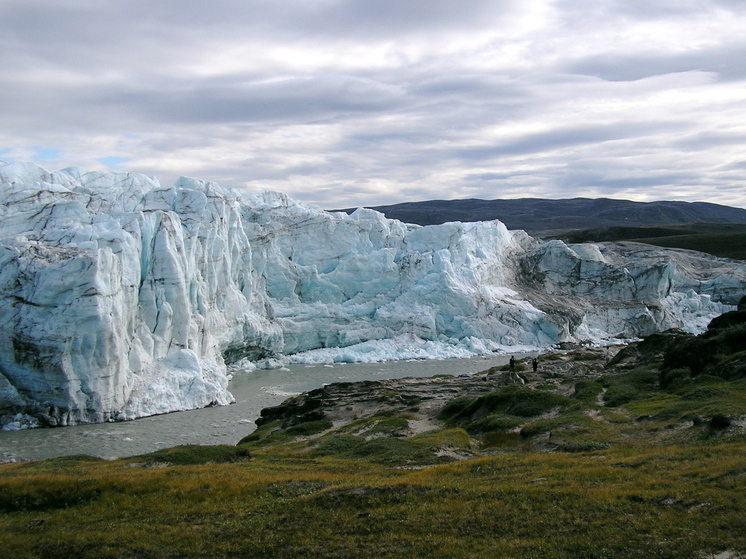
(535,363)
(512,363)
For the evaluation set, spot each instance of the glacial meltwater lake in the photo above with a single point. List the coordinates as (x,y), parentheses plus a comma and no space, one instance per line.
(219,425)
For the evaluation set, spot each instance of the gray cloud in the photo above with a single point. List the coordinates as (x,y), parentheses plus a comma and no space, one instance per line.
(728,63)
(566,137)
(344,103)
(296,99)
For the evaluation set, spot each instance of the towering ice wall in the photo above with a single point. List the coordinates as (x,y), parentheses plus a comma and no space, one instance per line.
(117,296)
(121,298)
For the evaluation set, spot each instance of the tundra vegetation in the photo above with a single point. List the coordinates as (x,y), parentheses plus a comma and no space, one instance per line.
(631,452)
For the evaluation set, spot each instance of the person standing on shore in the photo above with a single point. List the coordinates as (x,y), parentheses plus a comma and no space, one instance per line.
(534,364)
(512,363)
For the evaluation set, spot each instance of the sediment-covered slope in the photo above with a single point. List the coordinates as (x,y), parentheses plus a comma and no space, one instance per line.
(121,298)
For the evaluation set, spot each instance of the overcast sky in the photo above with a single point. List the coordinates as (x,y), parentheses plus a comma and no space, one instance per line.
(345,103)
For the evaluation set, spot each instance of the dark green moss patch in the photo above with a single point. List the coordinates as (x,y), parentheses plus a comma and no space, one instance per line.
(455,407)
(513,400)
(627,387)
(493,423)
(309,428)
(195,454)
(587,391)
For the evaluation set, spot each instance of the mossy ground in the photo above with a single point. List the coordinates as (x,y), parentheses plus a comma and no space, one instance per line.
(676,501)
(607,465)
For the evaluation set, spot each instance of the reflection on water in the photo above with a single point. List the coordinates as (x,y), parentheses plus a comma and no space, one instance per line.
(220,425)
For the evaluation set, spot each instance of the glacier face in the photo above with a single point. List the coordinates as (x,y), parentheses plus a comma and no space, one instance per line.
(121,298)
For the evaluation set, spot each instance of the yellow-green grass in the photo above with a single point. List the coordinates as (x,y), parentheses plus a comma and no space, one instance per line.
(673,501)
(662,475)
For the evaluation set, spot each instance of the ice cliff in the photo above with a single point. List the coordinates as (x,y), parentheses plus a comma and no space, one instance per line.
(121,298)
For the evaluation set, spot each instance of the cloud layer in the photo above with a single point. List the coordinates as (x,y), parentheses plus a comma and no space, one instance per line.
(365,102)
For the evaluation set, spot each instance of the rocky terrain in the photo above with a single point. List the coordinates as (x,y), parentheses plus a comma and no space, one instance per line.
(503,406)
(421,401)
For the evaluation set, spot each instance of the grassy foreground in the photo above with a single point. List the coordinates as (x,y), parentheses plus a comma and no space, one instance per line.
(625,502)
(588,458)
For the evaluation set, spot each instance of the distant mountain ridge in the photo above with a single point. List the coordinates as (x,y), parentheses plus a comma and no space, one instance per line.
(544,216)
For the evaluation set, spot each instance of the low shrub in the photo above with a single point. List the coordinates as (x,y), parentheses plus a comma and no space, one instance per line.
(513,400)
(674,379)
(454,408)
(492,440)
(587,390)
(388,426)
(74,458)
(630,386)
(702,393)
(618,395)
(261,432)
(493,423)
(51,494)
(386,450)
(536,428)
(583,446)
(309,428)
(453,438)
(195,454)
(253,437)
(337,445)
(568,422)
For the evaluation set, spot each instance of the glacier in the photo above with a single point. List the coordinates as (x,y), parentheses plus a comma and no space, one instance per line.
(122,298)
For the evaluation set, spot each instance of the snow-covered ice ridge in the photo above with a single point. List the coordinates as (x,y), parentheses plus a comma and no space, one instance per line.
(121,298)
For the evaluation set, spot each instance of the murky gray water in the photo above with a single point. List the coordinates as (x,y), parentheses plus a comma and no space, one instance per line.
(221,425)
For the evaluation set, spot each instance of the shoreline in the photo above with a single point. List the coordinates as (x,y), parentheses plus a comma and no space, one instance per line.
(253,390)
